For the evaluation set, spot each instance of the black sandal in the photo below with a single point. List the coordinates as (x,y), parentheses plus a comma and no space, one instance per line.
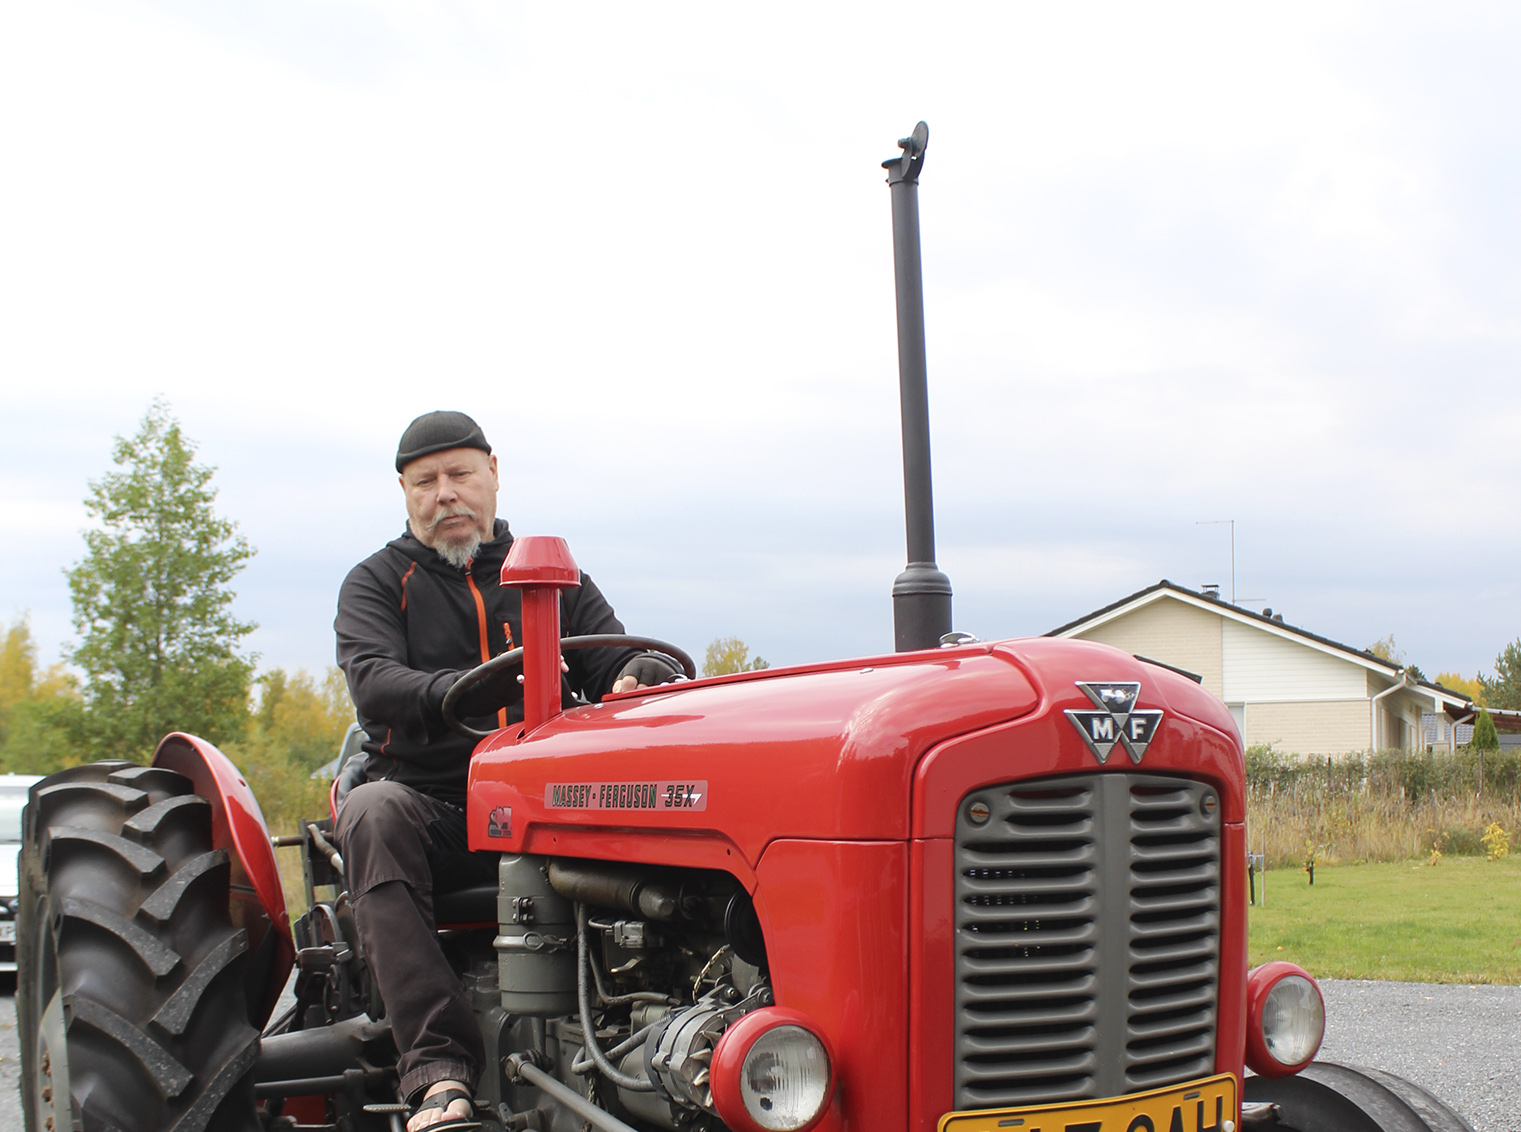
(442,1100)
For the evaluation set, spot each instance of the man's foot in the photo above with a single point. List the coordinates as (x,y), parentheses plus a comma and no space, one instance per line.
(458,1109)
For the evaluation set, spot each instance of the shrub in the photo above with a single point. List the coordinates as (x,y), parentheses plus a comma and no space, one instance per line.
(1378,806)
(1485,737)
(1497,841)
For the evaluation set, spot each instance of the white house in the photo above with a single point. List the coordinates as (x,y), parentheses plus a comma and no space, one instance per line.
(1303,693)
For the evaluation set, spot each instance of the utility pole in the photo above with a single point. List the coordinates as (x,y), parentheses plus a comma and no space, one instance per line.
(921,594)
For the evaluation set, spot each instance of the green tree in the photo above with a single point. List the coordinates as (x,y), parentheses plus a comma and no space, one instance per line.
(729,654)
(158,642)
(1504,691)
(297,726)
(301,717)
(1485,737)
(271,687)
(18,664)
(40,711)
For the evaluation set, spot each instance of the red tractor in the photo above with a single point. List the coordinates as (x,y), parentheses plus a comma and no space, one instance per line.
(962,887)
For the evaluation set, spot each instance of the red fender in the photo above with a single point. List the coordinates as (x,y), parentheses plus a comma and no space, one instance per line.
(237,825)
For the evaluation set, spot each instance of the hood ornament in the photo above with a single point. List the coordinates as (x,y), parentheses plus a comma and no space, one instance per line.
(1117,720)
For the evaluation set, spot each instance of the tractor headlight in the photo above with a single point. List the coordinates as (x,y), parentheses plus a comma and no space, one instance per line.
(1286,1019)
(772,1072)
(1293,1020)
(784,1079)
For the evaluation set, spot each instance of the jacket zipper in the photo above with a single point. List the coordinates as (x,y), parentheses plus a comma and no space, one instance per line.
(480,619)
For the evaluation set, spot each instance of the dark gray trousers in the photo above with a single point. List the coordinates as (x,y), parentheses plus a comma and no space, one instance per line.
(399,848)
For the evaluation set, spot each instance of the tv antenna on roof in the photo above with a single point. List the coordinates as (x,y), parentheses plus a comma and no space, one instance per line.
(1232,522)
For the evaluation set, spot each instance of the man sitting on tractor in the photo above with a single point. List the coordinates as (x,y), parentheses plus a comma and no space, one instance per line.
(412,619)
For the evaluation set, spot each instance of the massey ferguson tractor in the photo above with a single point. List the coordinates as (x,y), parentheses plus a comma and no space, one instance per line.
(963,887)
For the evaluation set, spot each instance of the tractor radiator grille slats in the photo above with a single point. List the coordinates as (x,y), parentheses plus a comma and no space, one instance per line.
(1087,938)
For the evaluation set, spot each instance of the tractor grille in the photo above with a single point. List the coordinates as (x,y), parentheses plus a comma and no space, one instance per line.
(1087,938)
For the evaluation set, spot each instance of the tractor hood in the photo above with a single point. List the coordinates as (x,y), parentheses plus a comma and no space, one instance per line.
(826,751)
(722,767)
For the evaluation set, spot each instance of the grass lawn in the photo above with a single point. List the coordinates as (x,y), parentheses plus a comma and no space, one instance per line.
(1456,922)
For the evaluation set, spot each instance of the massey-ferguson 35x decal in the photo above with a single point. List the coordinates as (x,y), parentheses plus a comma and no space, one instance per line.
(626,795)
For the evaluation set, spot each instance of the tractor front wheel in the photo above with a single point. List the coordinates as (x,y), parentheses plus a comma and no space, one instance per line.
(1326,1097)
(129,990)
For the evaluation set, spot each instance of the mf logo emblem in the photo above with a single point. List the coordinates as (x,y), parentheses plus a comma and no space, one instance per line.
(1117,719)
(499,822)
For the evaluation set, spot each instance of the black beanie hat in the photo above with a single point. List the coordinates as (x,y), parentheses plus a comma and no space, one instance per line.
(437,432)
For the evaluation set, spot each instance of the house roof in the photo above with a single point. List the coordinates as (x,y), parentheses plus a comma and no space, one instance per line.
(1504,720)
(1275,625)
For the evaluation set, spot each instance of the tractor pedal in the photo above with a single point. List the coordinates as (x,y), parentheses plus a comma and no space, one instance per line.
(316,960)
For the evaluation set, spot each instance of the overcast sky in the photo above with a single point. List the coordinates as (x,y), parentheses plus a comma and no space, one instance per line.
(1182,263)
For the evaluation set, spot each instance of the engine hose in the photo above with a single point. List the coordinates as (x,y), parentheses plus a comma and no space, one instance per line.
(609,999)
(623,1048)
(588,1032)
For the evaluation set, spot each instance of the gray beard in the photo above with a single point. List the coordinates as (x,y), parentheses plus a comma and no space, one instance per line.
(459,554)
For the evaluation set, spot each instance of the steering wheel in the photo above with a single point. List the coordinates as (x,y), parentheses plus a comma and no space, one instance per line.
(514,657)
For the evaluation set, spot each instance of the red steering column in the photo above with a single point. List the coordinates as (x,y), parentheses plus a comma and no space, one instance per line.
(540,566)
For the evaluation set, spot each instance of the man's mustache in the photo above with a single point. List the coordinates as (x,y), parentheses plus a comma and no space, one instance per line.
(450,513)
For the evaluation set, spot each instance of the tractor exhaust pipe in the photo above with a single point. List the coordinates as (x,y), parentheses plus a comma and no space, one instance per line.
(921,594)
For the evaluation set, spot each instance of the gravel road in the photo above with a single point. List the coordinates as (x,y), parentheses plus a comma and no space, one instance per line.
(1461,1043)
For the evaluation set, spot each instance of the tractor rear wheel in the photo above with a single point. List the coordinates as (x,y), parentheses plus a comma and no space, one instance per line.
(129,993)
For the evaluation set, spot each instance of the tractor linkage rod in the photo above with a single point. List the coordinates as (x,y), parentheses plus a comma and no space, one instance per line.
(319,1086)
(521,1067)
(333,855)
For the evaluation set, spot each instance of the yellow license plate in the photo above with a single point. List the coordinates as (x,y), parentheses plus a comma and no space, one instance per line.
(1208,1105)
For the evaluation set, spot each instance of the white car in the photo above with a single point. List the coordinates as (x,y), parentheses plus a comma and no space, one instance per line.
(13,790)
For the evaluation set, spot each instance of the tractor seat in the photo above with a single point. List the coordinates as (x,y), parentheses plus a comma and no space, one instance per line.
(473,905)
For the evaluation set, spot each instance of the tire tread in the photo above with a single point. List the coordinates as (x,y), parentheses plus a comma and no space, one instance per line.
(157,956)
(151,778)
(175,1014)
(145,825)
(160,906)
(168,1074)
(1428,1107)
(50,799)
(220,1083)
(145,861)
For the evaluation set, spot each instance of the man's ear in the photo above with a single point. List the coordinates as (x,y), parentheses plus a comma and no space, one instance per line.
(491,463)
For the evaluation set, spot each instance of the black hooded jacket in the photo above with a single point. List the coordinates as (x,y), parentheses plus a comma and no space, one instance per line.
(409,625)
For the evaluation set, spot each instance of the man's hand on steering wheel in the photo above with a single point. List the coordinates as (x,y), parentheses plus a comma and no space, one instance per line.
(469,693)
(645,672)
(491,693)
